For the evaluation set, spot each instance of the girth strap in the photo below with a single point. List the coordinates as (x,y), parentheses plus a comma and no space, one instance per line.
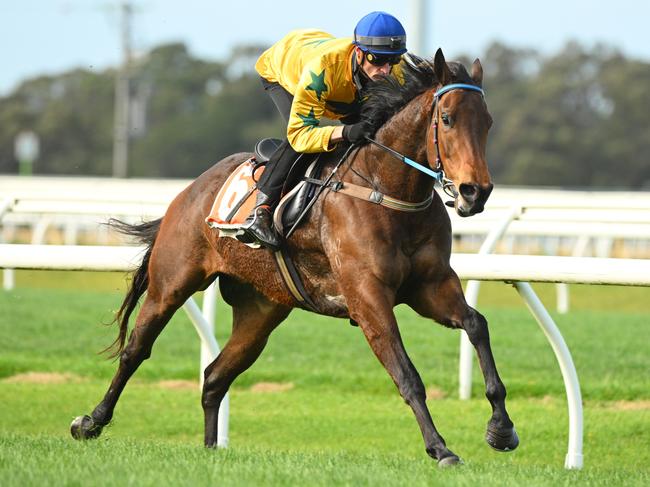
(292,280)
(378,198)
(286,267)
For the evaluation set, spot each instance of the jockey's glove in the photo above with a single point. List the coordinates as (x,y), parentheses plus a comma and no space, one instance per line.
(357,132)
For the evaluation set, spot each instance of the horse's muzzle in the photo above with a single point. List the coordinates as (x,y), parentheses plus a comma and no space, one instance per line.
(471,198)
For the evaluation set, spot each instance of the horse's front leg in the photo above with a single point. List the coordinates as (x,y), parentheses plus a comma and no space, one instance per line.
(444,302)
(370,304)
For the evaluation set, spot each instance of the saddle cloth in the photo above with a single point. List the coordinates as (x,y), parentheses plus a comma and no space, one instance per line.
(236,199)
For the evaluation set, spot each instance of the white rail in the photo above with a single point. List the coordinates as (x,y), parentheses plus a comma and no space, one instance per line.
(548,268)
(490,267)
(113,258)
(574,457)
(510,268)
(579,215)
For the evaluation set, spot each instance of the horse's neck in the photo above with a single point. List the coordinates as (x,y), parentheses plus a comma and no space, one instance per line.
(406,133)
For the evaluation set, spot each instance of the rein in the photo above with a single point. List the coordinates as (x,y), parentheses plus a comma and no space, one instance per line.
(367,194)
(323,185)
(437,174)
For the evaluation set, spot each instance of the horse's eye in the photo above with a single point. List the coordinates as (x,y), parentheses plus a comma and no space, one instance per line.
(446,119)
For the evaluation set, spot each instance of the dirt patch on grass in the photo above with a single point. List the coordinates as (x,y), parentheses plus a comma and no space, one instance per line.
(264,387)
(434,393)
(43,378)
(179,385)
(629,405)
(547,400)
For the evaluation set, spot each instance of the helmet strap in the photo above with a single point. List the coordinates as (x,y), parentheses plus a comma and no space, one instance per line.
(358,74)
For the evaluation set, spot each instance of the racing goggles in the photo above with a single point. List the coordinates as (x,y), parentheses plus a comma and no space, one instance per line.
(383,59)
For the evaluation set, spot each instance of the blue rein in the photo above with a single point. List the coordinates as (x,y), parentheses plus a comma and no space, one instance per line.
(437,175)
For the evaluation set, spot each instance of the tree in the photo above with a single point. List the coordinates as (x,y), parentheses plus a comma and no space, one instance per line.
(577,118)
(570,121)
(67,114)
(200,112)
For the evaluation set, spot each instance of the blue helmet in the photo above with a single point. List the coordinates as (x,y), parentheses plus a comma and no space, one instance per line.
(380,33)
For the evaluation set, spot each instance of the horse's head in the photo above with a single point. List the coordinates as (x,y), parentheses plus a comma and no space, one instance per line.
(457,136)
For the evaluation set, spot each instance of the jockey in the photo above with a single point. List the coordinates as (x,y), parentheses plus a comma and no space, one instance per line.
(310,74)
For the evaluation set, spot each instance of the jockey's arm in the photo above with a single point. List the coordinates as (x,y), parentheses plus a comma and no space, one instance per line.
(304,130)
(311,138)
(337,136)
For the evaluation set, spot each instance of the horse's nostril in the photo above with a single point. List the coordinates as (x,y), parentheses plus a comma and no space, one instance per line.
(469,191)
(487,191)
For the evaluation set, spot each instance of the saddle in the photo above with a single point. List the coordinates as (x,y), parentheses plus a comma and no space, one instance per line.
(236,198)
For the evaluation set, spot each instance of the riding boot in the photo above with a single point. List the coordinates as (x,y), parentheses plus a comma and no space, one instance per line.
(258,227)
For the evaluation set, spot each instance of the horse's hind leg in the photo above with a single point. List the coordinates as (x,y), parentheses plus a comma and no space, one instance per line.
(164,297)
(444,302)
(254,318)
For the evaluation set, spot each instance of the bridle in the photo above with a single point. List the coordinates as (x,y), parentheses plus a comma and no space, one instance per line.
(447,184)
(437,173)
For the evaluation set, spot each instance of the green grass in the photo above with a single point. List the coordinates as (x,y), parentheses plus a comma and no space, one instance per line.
(342,422)
(133,462)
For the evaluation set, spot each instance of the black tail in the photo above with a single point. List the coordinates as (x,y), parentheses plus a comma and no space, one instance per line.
(145,233)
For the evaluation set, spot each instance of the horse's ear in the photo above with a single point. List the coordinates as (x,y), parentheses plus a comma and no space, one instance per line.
(477,72)
(441,69)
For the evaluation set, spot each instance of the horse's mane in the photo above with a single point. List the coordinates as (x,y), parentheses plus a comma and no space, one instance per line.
(387,96)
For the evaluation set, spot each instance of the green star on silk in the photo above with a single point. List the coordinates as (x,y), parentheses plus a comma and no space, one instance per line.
(317,83)
(316,42)
(309,120)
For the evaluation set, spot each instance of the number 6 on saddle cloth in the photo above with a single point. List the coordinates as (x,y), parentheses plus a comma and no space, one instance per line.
(236,198)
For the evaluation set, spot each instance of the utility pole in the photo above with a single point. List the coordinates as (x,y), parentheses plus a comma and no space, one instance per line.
(122,97)
(418,41)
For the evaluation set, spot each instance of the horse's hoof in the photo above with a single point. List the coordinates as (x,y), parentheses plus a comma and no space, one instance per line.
(450,461)
(502,440)
(84,428)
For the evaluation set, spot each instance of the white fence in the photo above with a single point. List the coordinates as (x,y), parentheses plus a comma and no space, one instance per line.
(544,213)
(508,268)
(490,267)
(77,204)
(511,213)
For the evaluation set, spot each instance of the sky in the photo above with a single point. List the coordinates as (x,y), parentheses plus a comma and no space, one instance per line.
(50,37)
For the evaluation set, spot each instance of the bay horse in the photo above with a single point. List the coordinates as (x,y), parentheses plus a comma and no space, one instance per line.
(357,259)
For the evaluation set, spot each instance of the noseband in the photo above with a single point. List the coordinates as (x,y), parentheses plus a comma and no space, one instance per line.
(438,172)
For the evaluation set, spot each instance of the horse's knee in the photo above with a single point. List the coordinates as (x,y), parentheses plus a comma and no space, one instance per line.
(134,355)
(126,358)
(475,325)
(214,390)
